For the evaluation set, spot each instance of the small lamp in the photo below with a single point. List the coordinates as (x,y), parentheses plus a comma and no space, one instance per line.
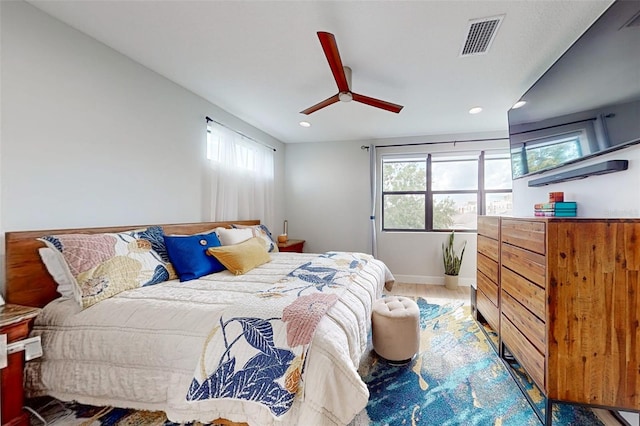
(282,238)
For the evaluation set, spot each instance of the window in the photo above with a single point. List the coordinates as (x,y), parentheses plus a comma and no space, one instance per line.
(454,185)
(498,199)
(213,144)
(404,193)
(241,173)
(243,155)
(444,192)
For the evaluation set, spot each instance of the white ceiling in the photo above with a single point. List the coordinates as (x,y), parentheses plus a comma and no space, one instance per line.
(262,61)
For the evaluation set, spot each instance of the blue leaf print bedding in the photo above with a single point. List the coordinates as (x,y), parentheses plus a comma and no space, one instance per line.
(258,348)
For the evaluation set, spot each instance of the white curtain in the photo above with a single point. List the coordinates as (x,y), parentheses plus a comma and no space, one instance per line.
(241,173)
(373,182)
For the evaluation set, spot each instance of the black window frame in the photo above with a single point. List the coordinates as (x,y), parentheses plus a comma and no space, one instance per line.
(428,193)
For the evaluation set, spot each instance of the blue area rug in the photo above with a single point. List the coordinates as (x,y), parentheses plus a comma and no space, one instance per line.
(456,379)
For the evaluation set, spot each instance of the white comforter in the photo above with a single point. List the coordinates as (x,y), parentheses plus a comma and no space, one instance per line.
(139,348)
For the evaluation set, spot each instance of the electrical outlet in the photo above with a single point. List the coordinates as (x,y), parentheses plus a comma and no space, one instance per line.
(32,348)
(3,351)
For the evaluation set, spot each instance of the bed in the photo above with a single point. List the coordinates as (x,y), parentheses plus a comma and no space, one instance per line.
(152,347)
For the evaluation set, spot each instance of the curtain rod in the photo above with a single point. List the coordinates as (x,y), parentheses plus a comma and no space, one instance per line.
(436,143)
(240,133)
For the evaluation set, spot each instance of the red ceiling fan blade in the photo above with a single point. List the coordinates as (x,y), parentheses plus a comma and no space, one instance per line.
(377,103)
(330,47)
(342,77)
(332,100)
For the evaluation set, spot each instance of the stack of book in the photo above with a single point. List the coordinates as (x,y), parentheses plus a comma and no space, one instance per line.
(556,209)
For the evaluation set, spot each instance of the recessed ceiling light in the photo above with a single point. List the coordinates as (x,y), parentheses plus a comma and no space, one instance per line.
(519,104)
(475,110)
(305,124)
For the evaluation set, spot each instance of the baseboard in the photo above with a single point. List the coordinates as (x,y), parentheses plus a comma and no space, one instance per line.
(614,418)
(627,418)
(433,280)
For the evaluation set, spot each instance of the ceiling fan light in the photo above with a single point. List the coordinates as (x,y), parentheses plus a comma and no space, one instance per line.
(305,124)
(475,110)
(345,96)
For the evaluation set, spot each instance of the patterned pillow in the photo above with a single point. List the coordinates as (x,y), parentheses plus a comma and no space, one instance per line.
(262,232)
(104,265)
(155,236)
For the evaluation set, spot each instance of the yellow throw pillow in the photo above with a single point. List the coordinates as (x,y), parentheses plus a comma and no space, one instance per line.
(243,257)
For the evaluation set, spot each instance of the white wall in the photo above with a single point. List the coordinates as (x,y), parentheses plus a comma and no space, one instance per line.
(91,138)
(611,195)
(328,205)
(327,193)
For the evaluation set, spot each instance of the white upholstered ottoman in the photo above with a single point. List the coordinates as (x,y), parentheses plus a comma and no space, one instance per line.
(395,323)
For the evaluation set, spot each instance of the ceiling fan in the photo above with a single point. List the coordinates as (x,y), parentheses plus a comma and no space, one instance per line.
(342,75)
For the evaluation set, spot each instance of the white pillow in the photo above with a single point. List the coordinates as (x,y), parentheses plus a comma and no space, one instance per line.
(230,237)
(265,235)
(58,269)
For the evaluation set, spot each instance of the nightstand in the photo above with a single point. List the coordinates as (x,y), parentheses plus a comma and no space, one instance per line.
(291,246)
(15,322)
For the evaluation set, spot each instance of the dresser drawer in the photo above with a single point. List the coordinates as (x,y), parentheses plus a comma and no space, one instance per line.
(488,310)
(525,263)
(488,287)
(526,234)
(488,267)
(489,226)
(524,291)
(488,247)
(524,351)
(528,324)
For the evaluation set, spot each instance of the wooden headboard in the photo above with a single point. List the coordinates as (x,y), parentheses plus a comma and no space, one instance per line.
(27,280)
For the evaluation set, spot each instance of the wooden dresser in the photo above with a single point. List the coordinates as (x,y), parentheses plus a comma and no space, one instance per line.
(568,303)
(488,278)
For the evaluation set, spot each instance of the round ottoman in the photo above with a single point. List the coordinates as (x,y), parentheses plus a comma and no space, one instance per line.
(395,323)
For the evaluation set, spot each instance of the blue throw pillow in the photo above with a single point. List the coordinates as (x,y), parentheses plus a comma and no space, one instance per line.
(188,254)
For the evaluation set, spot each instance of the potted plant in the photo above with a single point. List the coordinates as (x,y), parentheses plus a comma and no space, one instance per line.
(452,262)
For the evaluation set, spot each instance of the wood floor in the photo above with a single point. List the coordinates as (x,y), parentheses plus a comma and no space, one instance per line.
(439,294)
(433,293)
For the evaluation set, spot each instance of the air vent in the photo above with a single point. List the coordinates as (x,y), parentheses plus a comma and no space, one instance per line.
(480,35)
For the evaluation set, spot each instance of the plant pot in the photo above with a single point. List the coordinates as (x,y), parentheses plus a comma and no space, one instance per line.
(451,281)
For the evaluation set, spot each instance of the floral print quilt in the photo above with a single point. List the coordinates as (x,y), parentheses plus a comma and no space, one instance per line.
(140,348)
(257,350)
